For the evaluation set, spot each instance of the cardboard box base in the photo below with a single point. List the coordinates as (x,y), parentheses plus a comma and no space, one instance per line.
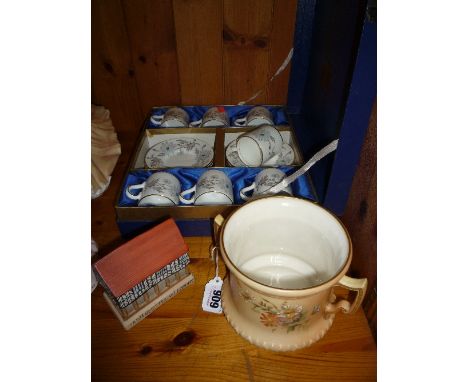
(190,227)
(148,309)
(192,220)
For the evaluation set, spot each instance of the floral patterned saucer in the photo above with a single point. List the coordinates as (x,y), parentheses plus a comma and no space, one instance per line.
(232,157)
(179,152)
(285,158)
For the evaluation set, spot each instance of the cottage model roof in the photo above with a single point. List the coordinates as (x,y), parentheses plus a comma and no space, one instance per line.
(142,256)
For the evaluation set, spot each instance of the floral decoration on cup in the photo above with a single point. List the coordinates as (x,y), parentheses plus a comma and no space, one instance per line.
(285,316)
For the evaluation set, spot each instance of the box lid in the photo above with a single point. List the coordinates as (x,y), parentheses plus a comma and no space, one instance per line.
(140,257)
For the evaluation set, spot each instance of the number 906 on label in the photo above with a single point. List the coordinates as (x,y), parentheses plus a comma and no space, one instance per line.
(212,296)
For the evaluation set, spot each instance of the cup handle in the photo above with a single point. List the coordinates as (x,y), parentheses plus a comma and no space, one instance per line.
(189,191)
(134,187)
(195,123)
(156,119)
(355,285)
(240,121)
(246,189)
(218,222)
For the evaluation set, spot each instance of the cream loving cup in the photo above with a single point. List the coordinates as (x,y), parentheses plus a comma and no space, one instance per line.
(257,146)
(284,256)
(160,189)
(265,180)
(214,187)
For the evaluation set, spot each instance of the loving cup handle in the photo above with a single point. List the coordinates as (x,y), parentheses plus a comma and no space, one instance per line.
(355,285)
(217,223)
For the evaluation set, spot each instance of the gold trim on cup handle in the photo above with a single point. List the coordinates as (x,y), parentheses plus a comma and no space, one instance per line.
(218,222)
(355,285)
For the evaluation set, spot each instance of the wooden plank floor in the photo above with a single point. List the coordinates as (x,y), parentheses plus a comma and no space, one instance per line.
(180,342)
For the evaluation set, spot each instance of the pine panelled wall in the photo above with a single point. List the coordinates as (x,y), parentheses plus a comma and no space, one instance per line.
(187,52)
(200,52)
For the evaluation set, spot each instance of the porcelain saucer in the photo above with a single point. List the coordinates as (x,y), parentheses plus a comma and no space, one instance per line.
(179,152)
(285,158)
(232,157)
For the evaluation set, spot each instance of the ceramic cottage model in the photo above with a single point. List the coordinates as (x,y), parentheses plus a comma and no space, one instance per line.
(145,272)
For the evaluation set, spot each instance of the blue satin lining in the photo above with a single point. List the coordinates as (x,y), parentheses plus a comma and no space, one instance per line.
(240,178)
(233,112)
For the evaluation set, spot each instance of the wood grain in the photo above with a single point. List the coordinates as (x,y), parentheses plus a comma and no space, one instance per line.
(151,32)
(191,52)
(360,218)
(369,307)
(114,85)
(246,49)
(282,39)
(179,341)
(198,25)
